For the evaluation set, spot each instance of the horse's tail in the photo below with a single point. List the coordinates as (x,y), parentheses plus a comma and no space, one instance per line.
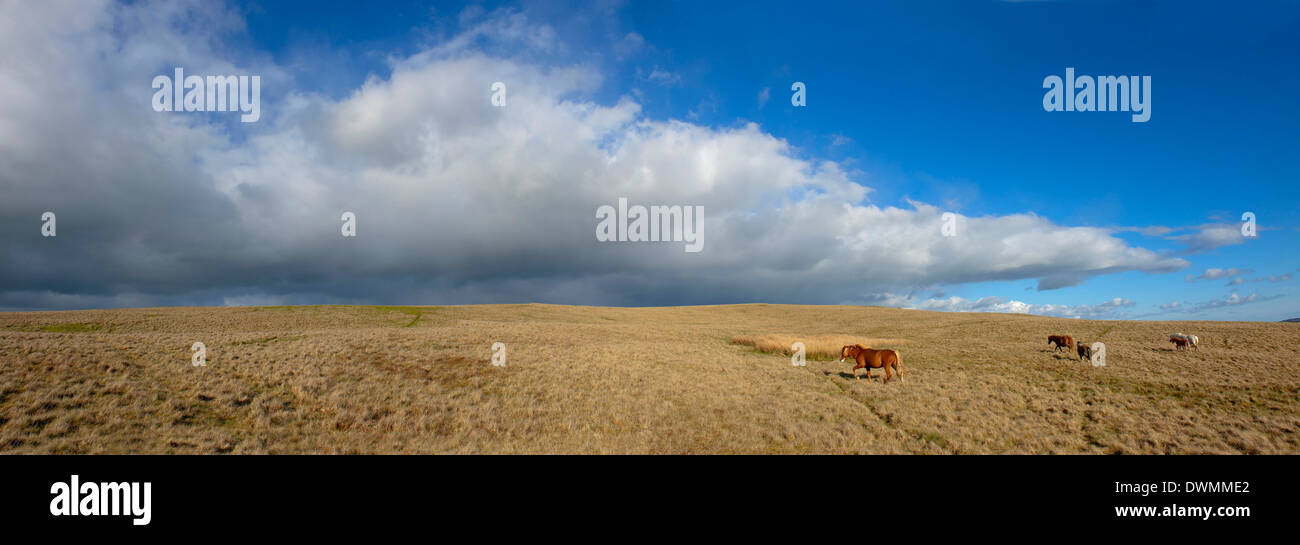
(898,364)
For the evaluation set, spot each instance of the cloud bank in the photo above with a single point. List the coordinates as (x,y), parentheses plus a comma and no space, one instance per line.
(457,201)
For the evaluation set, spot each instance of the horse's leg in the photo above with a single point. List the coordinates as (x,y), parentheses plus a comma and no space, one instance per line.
(887,375)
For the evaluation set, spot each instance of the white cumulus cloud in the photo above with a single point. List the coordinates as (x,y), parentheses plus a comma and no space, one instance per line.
(456,200)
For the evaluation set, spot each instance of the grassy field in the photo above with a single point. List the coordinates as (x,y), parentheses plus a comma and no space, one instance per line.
(352,379)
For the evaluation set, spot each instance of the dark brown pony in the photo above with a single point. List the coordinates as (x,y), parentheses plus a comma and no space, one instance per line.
(1085,351)
(873,359)
(1061,341)
(1179,343)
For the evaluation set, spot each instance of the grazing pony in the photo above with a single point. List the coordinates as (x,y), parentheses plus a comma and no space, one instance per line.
(1180,343)
(1061,341)
(1085,351)
(1192,340)
(873,359)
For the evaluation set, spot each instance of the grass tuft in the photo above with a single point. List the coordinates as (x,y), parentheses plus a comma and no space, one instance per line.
(816,347)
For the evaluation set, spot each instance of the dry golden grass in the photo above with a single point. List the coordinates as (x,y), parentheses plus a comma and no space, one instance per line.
(344,379)
(816,347)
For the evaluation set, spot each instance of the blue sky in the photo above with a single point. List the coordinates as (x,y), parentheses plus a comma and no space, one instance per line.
(940,101)
(922,102)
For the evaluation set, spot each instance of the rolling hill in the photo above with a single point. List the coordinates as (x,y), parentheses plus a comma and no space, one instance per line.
(710,379)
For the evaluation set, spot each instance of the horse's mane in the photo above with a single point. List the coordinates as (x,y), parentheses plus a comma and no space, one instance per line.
(856,348)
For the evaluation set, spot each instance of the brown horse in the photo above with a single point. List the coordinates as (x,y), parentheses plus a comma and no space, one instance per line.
(1061,341)
(1180,343)
(1085,351)
(873,359)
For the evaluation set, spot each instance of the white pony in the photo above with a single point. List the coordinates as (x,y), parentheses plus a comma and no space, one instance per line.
(1192,340)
